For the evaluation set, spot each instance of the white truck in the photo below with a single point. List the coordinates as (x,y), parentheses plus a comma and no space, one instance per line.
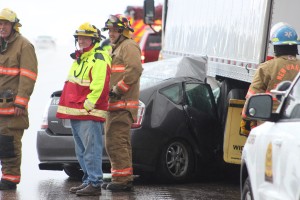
(270,158)
(233,35)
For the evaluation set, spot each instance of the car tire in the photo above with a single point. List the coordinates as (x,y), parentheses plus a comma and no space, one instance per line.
(176,162)
(247,190)
(73,171)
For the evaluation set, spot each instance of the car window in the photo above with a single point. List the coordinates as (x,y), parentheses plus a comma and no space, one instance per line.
(292,105)
(153,42)
(198,97)
(173,92)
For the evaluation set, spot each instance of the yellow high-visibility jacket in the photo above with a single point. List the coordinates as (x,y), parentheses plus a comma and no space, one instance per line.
(85,93)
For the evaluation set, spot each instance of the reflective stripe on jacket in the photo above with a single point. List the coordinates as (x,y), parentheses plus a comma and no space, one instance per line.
(12,178)
(125,76)
(121,172)
(87,81)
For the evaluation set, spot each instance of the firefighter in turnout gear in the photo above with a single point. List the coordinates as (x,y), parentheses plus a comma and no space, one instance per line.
(18,73)
(84,100)
(284,67)
(123,101)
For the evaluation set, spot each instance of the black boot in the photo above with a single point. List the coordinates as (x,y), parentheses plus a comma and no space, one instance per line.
(104,185)
(116,187)
(7,185)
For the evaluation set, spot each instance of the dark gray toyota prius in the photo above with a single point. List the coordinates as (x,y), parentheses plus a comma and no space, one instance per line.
(177,132)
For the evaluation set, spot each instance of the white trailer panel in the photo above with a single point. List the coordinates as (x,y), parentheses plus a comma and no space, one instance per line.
(233,34)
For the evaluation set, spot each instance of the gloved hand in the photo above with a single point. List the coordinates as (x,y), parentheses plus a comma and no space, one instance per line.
(246,126)
(88,106)
(113,93)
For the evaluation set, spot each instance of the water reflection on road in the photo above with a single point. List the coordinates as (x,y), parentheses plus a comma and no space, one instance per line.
(49,185)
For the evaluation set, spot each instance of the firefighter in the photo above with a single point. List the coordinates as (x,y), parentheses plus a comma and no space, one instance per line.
(284,67)
(123,101)
(18,72)
(84,100)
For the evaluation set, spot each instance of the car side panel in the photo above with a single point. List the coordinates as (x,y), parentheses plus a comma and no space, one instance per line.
(163,122)
(273,149)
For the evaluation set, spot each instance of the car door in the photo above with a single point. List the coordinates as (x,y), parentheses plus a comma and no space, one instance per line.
(200,108)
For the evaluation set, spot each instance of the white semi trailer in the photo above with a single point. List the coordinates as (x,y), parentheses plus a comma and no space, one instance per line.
(233,36)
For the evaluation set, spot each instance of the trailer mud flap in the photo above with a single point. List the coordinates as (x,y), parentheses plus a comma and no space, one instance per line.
(233,140)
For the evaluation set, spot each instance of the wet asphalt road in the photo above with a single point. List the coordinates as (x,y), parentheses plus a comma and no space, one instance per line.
(54,185)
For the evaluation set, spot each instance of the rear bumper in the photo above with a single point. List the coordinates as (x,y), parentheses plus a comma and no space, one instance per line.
(55,148)
(54,151)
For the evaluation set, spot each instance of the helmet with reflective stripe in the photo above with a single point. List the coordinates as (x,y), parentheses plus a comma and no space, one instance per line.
(118,21)
(89,30)
(11,16)
(283,34)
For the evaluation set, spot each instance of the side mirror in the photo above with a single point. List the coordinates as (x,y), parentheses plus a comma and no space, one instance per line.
(281,89)
(149,12)
(259,107)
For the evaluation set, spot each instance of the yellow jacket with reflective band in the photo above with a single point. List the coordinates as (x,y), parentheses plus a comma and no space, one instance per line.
(125,76)
(18,72)
(88,81)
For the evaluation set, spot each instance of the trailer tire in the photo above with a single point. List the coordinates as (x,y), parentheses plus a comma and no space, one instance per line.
(235,89)
(233,94)
(236,94)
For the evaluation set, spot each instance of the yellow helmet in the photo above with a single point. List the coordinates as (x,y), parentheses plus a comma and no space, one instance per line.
(86,29)
(11,16)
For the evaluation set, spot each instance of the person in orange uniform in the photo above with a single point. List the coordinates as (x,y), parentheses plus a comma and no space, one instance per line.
(84,100)
(123,102)
(284,67)
(18,74)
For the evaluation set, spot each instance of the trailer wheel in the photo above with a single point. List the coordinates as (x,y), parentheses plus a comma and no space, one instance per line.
(236,94)
(176,162)
(233,89)
(233,94)
(247,190)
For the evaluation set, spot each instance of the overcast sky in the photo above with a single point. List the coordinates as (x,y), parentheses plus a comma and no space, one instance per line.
(60,18)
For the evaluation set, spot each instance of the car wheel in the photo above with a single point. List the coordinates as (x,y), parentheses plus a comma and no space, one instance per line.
(247,190)
(73,171)
(176,162)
